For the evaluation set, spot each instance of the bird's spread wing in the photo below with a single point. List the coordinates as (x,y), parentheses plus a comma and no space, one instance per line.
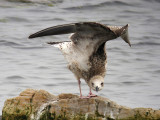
(94,33)
(86,32)
(55,30)
(86,39)
(83,28)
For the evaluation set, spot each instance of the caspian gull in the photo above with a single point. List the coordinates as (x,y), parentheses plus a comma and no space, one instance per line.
(86,52)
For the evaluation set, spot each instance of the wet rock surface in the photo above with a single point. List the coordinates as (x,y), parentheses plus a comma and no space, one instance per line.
(41,105)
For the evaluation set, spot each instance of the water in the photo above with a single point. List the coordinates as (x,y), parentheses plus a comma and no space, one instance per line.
(133,74)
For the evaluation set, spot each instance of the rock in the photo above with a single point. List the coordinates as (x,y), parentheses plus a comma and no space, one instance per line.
(41,105)
(28,102)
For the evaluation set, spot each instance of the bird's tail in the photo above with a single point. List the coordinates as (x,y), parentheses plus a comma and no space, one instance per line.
(121,32)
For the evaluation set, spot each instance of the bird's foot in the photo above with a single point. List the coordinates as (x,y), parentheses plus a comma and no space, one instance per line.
(92,95)
(84,97)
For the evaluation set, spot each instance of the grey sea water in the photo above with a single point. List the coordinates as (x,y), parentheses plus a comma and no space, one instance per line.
(133,74)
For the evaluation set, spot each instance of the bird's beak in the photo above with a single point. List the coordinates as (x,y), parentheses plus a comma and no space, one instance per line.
(97,89)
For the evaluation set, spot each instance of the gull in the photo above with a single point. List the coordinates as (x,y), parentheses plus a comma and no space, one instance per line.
(86,50)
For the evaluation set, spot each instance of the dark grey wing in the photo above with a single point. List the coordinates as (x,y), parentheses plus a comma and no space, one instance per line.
(56,30)
(92,31)
(100,32)
(85,30)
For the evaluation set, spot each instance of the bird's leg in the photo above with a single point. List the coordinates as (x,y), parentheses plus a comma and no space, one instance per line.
(82,97)
(91,94)
(79,83)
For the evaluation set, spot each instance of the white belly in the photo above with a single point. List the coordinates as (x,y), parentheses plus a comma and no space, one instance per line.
(76,54)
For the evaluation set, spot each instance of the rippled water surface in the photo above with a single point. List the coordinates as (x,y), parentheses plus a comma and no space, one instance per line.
(133,74)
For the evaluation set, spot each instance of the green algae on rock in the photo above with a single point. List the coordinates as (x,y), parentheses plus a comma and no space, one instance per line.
(41,105)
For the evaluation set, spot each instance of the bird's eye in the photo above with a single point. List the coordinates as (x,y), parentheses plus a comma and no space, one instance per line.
(102,84)
(92,84)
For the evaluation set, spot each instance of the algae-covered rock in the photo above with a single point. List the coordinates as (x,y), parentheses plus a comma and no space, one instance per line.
(41,105)
(21,107)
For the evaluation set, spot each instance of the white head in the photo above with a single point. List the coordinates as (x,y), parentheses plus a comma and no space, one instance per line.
(96,83)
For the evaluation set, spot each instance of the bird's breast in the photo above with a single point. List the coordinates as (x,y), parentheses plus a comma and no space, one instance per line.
(76,55)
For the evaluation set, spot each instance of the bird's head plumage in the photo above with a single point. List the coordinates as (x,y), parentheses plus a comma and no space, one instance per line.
(96,83)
